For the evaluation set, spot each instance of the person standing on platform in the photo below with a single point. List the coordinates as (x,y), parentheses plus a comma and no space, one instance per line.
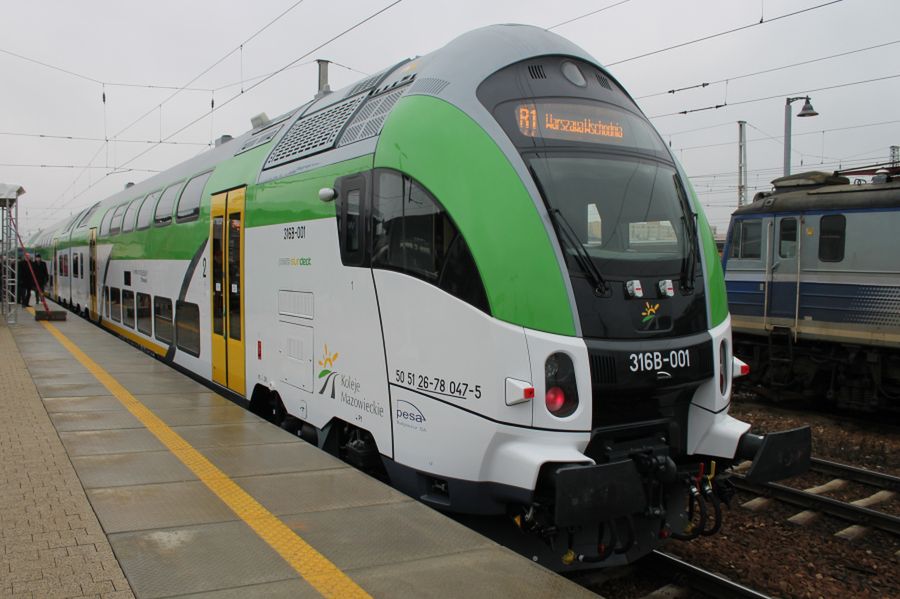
(26,283)
(42,276)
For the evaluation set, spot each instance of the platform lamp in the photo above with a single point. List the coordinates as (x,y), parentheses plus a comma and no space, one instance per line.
(807,110)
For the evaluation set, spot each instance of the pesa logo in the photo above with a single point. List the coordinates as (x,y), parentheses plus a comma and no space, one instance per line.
(408,415)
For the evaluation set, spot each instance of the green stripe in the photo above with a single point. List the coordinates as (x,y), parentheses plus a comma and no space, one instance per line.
(715,277)
(457,161)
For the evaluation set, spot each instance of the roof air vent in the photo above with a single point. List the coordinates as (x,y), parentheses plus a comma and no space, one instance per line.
(223,140)
(259,120)
(603,81)
(129,184)
(536,71)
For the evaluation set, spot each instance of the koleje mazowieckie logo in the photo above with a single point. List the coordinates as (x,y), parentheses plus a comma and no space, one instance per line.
(649,312)
(330,376)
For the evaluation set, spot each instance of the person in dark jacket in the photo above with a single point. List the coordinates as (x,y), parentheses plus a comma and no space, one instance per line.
(26,283)
(40,272)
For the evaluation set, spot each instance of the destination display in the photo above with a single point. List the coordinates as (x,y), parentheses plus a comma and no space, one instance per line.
(570,122)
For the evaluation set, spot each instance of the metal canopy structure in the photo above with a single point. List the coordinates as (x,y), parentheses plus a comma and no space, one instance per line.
(9,213)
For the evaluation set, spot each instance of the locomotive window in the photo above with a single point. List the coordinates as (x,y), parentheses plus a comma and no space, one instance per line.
(128,308)
(115,225)
(831,237)
(413,234)
(747,240)
(162,319)
(131,215)
(787,238)
(144,320)
(187,327)
(163,215)
(104,224)
(189,204)
(146,213)
(115,304)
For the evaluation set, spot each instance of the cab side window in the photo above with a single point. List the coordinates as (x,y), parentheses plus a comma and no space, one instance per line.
(413,234)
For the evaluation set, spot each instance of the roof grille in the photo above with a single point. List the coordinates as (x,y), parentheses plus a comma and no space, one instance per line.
(313,133)
(370,119)
(536,71)
(430,86)
(603,81)
(365,84)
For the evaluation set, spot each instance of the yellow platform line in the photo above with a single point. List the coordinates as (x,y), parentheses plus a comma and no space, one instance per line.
(314,567)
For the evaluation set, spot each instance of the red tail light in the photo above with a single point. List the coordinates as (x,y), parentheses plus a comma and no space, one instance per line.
(556,400)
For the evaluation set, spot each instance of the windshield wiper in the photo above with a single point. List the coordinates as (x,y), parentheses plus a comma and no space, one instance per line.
(601,287)
(566,234)
(689,261)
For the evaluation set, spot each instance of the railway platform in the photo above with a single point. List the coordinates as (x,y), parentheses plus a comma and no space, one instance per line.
(121,477)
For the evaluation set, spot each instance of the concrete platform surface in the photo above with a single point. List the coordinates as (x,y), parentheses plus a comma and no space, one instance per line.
(144,489)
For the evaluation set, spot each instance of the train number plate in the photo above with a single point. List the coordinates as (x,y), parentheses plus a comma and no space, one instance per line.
(655,361)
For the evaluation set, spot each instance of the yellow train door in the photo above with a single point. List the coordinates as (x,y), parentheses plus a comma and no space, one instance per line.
(92,271)
(227,285)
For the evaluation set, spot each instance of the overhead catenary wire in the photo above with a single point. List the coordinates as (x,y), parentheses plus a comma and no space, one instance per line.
(722,33)
(765,71)
(83,138)
(258,83)
(584,16)
(216,107)
(780,95)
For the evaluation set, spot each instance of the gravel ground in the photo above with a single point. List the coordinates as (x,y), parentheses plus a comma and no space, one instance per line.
(766,552)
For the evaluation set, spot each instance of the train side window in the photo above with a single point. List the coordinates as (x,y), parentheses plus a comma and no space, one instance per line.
(187,327)
(832,228)
(163,214)
(145,215)
(75,266)
(189,203)
(115,225)
(106,301)
(104,224)
(130,215)
(162,319)
(746,240)
(787,238)
(413,234)
(350,202)
(115,304)
(144,314)
(128,308)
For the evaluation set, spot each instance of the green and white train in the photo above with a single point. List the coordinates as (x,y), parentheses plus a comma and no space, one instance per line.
(480,273)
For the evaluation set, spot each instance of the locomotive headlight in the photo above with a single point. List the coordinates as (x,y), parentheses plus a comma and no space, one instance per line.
(561,396)
(723,366)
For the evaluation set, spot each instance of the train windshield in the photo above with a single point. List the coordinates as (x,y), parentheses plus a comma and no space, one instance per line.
(628,213)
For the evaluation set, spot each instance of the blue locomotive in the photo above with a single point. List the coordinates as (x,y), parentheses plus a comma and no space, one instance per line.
(813,281)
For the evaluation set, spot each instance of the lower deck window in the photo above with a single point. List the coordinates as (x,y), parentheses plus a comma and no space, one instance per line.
(106,300)
(144,314)
(128,308)
(162,319)
(187,327)
(115,304)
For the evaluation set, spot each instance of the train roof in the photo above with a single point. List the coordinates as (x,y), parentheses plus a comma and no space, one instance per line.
(815,191)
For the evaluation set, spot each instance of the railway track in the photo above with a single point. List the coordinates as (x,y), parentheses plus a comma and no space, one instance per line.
(857,512)
(691,579)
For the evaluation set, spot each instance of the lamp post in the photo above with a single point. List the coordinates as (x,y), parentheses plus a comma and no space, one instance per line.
(807,110)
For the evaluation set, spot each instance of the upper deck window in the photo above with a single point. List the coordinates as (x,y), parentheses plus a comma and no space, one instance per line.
(163,215)
(189,204)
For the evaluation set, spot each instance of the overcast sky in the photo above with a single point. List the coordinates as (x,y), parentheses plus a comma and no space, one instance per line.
(169,43)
